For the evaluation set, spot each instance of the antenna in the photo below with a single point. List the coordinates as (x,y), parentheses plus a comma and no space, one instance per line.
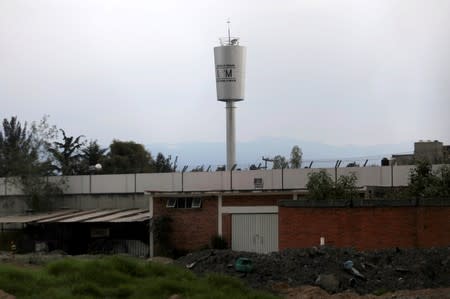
(229,35)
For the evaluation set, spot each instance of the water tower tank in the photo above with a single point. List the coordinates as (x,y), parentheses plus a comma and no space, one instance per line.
(229,60)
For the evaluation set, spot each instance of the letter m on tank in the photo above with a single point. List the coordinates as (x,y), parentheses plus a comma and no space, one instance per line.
(224,73)
(228,73)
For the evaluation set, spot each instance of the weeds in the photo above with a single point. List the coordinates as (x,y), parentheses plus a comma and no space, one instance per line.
(117,277)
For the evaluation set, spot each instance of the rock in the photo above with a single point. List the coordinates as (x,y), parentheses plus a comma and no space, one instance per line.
(4,295)
(328,282)
(161,260)
(175,296)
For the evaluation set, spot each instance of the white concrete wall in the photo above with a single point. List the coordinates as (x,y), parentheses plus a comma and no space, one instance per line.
(206,181)
(401,175)
(158,182)
(111,183)
(76,184)
(2,186)
(13,186)
(296,178)
(370,175)
(244,180)
(216,181)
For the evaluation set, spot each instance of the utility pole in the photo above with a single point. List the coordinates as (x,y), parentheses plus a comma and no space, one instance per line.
(266,160)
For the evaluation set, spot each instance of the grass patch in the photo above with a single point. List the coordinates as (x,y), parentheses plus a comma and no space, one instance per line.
(118,277)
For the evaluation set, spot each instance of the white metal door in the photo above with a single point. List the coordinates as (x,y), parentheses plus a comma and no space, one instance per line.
(254,232)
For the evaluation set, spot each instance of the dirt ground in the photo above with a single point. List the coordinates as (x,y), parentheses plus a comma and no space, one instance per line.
(316,272)
(312,292)
(4,295)
(375,272)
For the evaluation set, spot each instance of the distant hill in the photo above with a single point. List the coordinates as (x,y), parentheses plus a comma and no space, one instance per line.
(323,155)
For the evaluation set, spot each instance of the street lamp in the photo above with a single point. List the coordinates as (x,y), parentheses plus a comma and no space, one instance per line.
(92,170)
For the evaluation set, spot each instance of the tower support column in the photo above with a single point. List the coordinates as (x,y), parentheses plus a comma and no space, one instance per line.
(231,134)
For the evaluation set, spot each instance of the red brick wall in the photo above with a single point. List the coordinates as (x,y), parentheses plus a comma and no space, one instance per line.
(226,228)
(191,228)
(433,226)
(263,200)
(364,228)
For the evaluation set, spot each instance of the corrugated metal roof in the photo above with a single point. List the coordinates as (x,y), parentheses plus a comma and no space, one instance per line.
(33,217)
(89,216)
(67,216)
(119,215)
(134,218)
(74,216)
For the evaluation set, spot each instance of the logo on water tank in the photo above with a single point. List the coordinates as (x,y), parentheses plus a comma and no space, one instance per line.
(225,73)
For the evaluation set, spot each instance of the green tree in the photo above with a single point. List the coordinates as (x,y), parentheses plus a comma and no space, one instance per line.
(17,154)
(320,185)
(424,183)
(163,164)
(346,186)
(92,154)
(443,181)
(280,162)
(128,157)
(296,157)
(23,158)
(67,154)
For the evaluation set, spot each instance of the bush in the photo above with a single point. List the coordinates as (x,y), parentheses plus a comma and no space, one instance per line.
(425,183)
(320,185)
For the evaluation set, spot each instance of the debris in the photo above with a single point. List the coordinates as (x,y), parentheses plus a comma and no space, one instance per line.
(348,265)
(243,265)
(402,270)
(192,265)
(298,267)
(357,273)
(328,282)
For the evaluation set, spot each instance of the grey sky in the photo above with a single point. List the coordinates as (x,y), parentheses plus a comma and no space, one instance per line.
(338,72)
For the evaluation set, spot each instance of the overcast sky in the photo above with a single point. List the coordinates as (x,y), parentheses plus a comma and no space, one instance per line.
(337,72)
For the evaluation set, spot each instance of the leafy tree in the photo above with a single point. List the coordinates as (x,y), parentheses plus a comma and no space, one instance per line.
(43,136)
(280,162)
(92,154)
(346,186)
(17,154)
(320,185)
(23,155)
(128,157)
(296,157)
(163,164)
(443,182)
(67,154)
(425,183)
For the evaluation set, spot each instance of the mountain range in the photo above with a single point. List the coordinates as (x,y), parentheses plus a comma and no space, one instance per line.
(251,152)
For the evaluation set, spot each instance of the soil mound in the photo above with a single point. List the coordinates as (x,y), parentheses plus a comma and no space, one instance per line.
(374,272)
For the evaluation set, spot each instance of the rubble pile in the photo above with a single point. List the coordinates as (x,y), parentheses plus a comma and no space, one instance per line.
(333,269)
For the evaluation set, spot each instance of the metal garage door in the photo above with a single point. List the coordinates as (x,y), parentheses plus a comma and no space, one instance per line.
(254,232)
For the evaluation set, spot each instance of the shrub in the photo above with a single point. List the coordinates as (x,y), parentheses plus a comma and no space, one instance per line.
(320,185)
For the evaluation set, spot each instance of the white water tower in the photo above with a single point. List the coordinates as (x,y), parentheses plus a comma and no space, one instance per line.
(229,59)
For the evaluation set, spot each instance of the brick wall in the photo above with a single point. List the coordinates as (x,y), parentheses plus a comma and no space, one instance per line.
(262,200)
(191,228)
(226,228)
(364,227)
